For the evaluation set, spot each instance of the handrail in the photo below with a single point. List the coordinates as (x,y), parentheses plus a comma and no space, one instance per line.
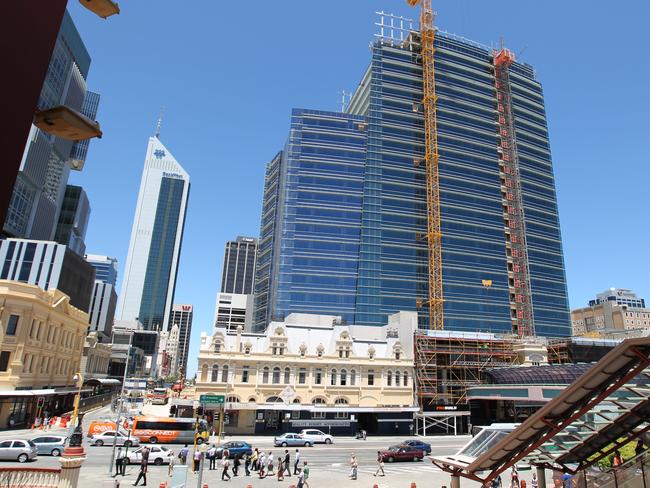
(19,477)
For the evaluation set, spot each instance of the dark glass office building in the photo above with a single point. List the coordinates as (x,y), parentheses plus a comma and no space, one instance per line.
(239,266)
(350,215)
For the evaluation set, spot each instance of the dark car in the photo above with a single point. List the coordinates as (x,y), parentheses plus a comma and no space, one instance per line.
(402,453)
(235,448)
(418,445)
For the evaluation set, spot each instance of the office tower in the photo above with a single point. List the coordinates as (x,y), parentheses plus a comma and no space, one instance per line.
(80,148)
(366,202)
(102,309)
(105,268)
(147,292)
(49,265)
(182,317)
(239,266)
(73,219)
(232,310)
(41,182)
(620,296)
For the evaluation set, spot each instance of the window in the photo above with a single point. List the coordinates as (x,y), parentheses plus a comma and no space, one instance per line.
(320,353)
(276,375)
(397,378)
(318,401)
(265,375)
(318,415)
(244,374)
(217,347)
(318,376)
(397,354)
(215,373)
(353,377)
(344,377)
(333,378)
(389,379)
(247,350)
(224,374)
(302,376)
(12,324)
(232,399)
(341,401)
(26,363)
(287,375)
(371,377)
(341,415)
(406,378)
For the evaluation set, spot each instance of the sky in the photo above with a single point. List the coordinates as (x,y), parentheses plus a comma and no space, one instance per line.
(227,74)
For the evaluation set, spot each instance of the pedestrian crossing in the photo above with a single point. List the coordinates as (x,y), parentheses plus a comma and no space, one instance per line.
(389,469)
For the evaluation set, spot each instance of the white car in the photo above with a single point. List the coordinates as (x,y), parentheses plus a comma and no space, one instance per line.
(157,455)
(106,439)
(316,436)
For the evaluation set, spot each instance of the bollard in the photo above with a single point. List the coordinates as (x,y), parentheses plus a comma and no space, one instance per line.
(375,485)
(163,484)
(413,484)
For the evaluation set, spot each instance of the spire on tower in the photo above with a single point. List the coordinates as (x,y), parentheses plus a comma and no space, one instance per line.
(162,111)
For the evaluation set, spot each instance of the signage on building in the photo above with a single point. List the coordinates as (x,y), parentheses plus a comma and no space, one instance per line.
(288,394)
(320,423)
(186,308)
(212,399)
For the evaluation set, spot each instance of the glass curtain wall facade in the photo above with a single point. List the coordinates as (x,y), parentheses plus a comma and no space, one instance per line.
(359,223)
(239,266)
(319,203)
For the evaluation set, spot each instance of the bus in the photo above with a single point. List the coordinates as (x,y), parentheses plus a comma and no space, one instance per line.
(169,430)
(159,396)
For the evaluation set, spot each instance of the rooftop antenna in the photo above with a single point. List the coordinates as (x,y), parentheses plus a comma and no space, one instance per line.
(344,95)
(162,111)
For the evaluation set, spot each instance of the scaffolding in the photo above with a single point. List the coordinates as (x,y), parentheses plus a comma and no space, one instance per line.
(448,363)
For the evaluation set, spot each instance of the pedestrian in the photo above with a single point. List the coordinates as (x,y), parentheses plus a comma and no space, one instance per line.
(280,469)
(305,474)
(396,428)
(212,456)
(261,462)
(225,464)
(534,483)
(269,463)
(145,454)
(353,467)
(247,464)
(498,482)
(514,477)
(301,480)
(125,461)
(118,462)
(45,423)
(254,458)
(639,448)
(411,428)
(182,455)
(296,468)
(235,465)
(197,460)
(618,459)
(287,463)
(142,475)
(380,464)
(172,461)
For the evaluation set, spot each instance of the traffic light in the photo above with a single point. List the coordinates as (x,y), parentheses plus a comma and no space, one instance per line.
(40,402)
(199,410)
(172,410)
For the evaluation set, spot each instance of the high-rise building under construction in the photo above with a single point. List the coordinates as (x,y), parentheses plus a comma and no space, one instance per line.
(344,225)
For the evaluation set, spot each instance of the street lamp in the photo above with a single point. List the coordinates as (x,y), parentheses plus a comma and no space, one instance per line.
(78,377)
(121,402)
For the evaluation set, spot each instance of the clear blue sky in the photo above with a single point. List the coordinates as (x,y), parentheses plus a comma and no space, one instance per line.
(228,74)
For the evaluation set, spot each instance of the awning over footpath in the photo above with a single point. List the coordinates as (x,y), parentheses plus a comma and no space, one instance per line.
(605,408)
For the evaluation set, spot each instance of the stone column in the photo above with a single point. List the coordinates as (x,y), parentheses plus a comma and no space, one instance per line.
(541,477)
(71,461)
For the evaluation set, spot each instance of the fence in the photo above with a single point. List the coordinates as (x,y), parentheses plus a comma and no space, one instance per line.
(97,400)
(29,477)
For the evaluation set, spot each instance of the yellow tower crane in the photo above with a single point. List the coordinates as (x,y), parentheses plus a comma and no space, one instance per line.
(434,234)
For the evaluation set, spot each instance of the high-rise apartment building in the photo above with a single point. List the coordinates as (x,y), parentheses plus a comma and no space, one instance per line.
(48,265)
(73,219)
(182,317)
(41,182)
(147,291)
(239,266)
(344,219)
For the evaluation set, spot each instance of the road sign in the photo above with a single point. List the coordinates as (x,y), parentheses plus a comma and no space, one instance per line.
(212,399)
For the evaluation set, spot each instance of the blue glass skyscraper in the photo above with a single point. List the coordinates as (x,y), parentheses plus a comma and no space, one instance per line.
(375,238)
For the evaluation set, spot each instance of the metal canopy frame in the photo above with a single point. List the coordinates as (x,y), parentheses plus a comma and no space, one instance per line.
(607,407)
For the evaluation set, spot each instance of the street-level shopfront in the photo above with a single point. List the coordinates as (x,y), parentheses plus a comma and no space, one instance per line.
(277,418)
(19,408)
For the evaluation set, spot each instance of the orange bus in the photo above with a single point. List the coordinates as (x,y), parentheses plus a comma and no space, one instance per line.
(169,430)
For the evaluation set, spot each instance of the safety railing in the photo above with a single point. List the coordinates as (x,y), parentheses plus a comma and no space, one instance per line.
(29,477)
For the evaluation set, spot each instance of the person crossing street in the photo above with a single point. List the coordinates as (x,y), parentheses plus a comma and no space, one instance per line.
(287,463)
(296,461)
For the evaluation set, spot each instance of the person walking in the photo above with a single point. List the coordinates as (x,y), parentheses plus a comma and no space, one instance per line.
(280,469)
(305,474)
(269,463)
(287,463)
(380,464)
(261,462)
(247,464)
(212,456)
(172,462)
(182,455)
(514,477)
(118,462)
(142,475)
(301,481)
(254,458)
(197,460)
(235,465)
(354,464)
(225,464)
(534,483)
(296,460)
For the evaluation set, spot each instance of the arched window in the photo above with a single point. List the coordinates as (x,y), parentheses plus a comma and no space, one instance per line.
(318,401)
(333,378)
(276,375)
(353,377)
(287,375)
(341,401)
(265,374)
(397,378)
(232,399)
(296,400)
(274,399)
(389,379)
(224,374)
(252,400)
(406,378)
(215,373)
(204,372)
(344,378)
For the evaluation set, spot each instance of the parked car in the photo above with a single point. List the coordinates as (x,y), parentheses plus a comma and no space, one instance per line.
(235,448)
(291,440)
(106,438)
(50,444)
(158,455)
(402,453)
(418,444)
(316,436)
(18,450)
